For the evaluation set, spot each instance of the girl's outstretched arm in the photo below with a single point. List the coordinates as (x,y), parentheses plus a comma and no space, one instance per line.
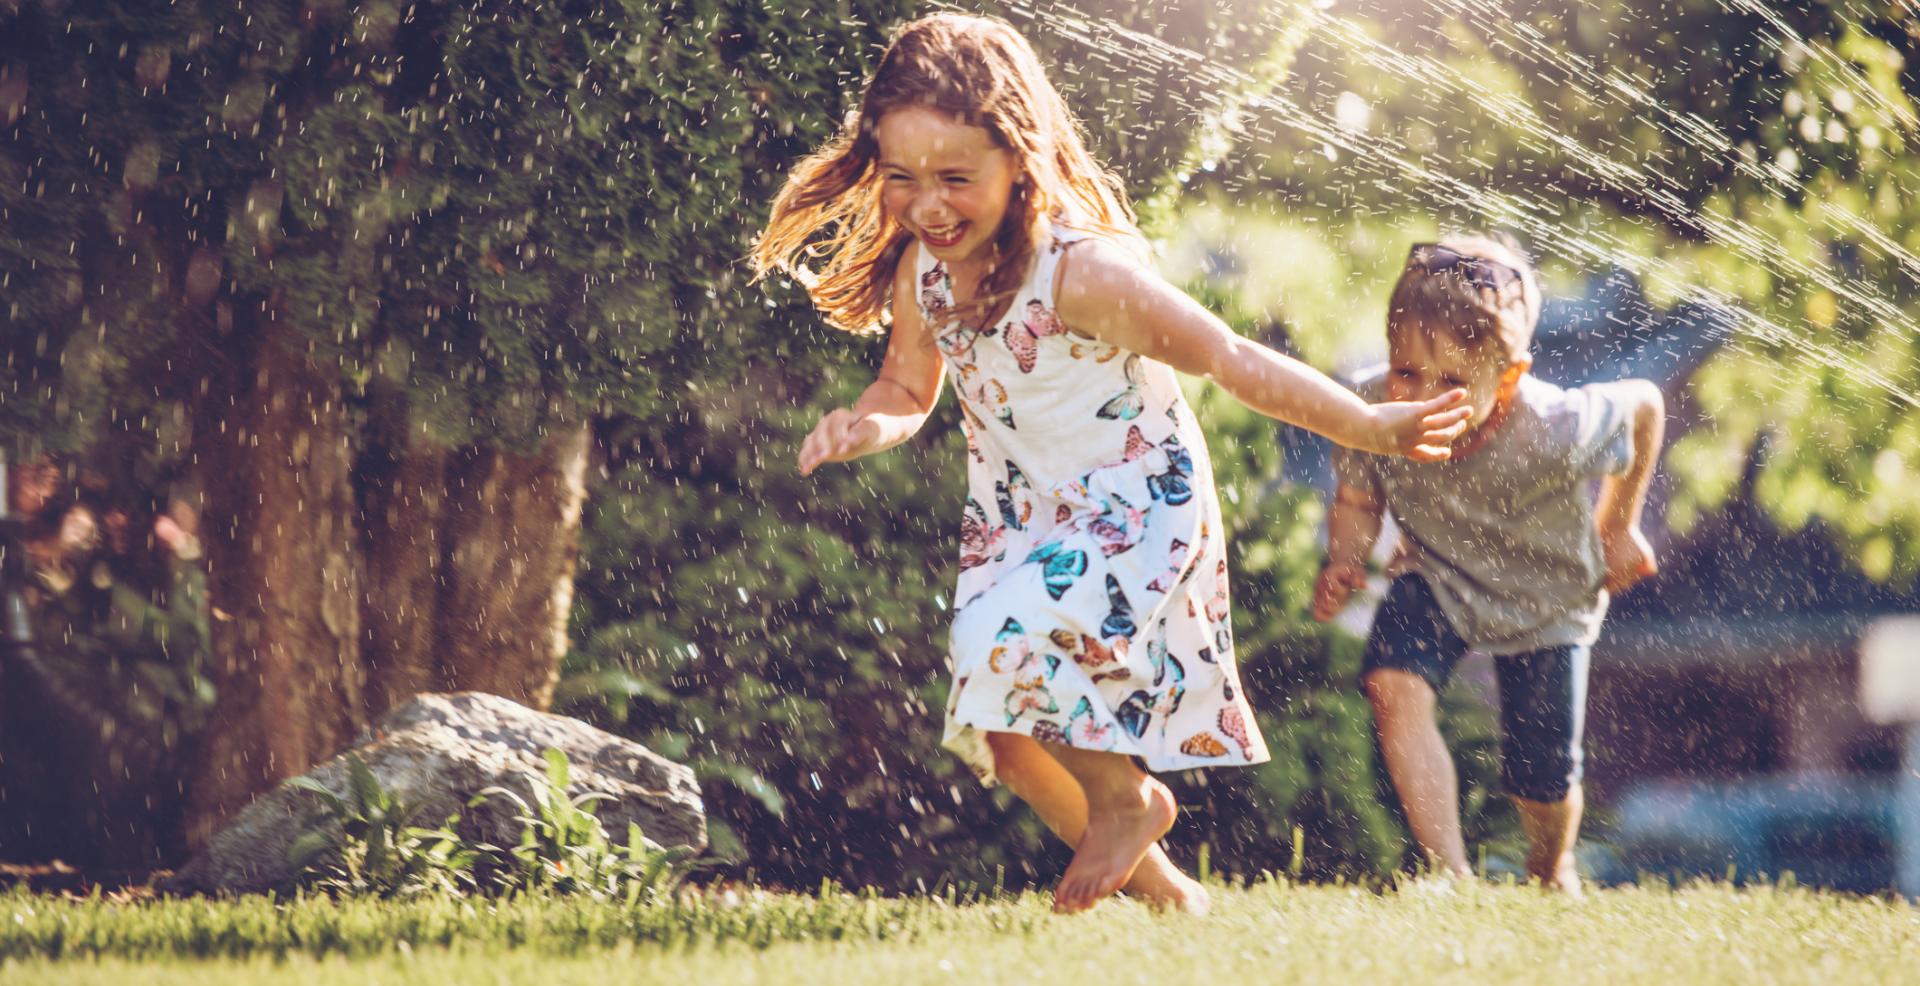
(1107,294)
(897,402)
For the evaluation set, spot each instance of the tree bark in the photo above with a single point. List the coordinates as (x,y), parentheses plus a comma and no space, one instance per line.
(452,570)
(404,475)
(513,533)
(283,573)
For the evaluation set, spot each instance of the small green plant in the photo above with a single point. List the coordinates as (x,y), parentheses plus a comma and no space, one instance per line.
(564,847)
(376,849)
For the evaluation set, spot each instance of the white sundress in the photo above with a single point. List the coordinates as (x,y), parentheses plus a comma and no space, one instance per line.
(1092,604)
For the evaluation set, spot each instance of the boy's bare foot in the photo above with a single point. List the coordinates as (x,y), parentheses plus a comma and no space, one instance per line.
(1562,878)
(1115,843)
(1161,884)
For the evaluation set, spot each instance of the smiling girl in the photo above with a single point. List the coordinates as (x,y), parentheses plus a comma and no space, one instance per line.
(960,212)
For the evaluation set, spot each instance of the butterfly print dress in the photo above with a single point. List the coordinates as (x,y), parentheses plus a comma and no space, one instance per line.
(1092,600)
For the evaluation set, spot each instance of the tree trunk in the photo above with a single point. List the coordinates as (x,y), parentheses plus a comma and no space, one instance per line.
(404,476)
(470,562)
(283,573)
(456,575)
(513,533)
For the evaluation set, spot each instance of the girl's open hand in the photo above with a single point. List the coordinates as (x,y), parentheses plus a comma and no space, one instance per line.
(1421,430)
(839,436)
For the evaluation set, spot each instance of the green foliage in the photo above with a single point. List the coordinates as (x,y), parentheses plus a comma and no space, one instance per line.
(564,848)
(366,844)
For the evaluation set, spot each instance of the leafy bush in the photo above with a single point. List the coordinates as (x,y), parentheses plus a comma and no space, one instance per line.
(366,843)
(564,847)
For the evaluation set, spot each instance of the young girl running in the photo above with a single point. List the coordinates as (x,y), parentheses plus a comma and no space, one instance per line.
(1092,633)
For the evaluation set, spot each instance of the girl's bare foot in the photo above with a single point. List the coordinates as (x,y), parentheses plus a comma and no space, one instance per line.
(1117,840)
(1161,884)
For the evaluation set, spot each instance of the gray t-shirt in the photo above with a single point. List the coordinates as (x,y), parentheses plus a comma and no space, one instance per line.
(1505,535)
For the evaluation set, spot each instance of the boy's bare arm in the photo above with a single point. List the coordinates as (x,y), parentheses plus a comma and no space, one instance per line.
(1353,526)
(1622,495)
(1629,557)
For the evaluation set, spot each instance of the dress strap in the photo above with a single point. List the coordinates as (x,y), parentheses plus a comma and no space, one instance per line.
(1047,266)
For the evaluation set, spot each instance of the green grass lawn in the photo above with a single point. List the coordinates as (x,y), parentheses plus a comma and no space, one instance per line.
(1270,932)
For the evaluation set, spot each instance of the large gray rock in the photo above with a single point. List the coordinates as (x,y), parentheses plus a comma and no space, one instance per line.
(443,749)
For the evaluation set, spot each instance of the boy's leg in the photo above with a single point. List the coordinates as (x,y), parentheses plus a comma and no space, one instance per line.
(1031,773)
(1552,827)
(1404,710)
(1127,813)
(1543,700)
(1411,652)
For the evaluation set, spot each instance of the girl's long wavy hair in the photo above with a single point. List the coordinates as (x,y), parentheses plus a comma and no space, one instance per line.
(829,229)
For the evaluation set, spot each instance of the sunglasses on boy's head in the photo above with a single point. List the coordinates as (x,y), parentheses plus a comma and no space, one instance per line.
(1481,272)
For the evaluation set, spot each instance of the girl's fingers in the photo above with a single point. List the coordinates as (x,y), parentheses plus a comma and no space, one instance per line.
(1447,419)
(1444,436)
(1445,401)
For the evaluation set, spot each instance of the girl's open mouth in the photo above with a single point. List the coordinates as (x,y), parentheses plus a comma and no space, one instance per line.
(944,236)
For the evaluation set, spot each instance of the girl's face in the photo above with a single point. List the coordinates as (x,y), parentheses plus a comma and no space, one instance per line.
(947,182)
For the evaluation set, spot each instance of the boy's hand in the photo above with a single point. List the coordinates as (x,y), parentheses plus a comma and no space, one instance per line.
(1629,557)
(840,436)
(1337,582)
(1421,430)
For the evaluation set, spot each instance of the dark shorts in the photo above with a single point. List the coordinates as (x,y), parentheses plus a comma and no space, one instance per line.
(1543,693)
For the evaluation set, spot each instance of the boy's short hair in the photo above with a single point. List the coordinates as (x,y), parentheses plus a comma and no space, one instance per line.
(1475,290)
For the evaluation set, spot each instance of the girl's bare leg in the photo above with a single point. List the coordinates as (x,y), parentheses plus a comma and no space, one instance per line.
(1127,813)
(1030,772)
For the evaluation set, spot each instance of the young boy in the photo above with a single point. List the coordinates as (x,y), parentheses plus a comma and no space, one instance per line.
(1502,549)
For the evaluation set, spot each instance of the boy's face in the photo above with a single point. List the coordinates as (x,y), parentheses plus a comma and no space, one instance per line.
(1423,365)
(947,182)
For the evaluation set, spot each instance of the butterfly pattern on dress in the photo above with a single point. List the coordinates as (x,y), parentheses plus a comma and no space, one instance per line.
(1102,352)
(1203,745)
(1084,729)
(980,542)
(1118,527)
(1172,487)
(1100,661)
(1014,498)
(1119,621)
(1030,695)
(1011,652)
(1234,726)
(1176,564)
(1128,404)
(986,392)
(1218,611)
(1060,566)
(1023,336)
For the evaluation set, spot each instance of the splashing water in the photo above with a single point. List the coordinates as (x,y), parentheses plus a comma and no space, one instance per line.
(1429,176)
